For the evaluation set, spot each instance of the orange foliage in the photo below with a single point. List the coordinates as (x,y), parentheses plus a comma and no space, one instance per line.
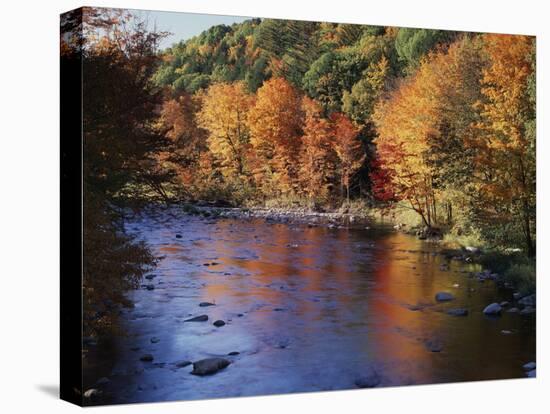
(317,160)
(347,147)
(275,123)
(224,115)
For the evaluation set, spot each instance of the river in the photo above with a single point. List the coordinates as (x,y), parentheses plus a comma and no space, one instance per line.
(306,308)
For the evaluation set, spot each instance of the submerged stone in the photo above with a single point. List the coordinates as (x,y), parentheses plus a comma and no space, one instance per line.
(183,364)
(458,312)
(434,345)
(201,318)
(204,304)
(369,380)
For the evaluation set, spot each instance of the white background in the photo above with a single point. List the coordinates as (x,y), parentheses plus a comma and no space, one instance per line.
(29,206)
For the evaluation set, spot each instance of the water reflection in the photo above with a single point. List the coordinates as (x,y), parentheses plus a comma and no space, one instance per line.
(308,309)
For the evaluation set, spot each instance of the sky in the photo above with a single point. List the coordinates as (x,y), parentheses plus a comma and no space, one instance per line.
(185,25)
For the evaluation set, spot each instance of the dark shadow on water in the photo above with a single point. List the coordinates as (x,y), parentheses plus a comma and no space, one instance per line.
(49,389)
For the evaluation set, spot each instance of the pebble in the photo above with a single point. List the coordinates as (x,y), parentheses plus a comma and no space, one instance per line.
(443,296)
(492,309)
(204,304)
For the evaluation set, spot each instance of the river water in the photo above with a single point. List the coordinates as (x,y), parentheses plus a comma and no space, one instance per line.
(308,309)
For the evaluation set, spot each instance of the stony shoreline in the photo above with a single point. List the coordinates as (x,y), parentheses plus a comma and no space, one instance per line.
(301,216)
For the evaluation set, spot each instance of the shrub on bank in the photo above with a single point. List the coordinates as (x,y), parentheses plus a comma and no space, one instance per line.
(523,277)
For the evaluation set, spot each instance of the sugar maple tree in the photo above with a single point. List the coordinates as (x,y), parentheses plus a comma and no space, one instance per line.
(224,115)
(275,123)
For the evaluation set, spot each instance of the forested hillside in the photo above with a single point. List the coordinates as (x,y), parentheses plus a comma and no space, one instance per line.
(302,113)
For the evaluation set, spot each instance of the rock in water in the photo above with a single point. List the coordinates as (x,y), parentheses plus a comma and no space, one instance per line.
(154,340)
(150,287)
(233,353)
(201,318)
(219,323)
(434,345)
(370,380)
(528,310)
(458,312)
(209,366)
(178,236)
(492,309)
(530,300)
(146,358)
(183,364)
(204,304)
(443,297)
(529,366)
(103,381)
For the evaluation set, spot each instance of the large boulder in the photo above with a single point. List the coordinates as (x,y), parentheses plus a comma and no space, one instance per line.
(209,366)
(492,309)
(443,296)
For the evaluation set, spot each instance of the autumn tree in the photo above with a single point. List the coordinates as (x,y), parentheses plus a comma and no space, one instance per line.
(275,123)
(504,143)
(121,144)
(224,115)
(317,157)
(179,119)
(404,122)
(425,129)
(349,149)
